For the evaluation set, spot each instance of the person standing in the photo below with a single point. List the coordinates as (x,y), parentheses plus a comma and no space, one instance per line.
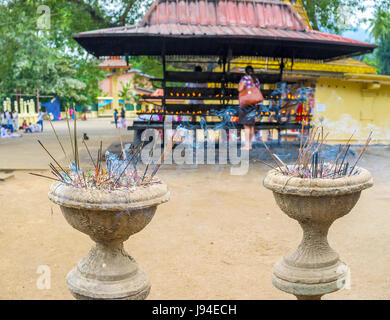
(71,113)
(123,118)
(41,114)
(116,118)
(246,113)
(3,118)
(84,112)
(10,121)
(16,120)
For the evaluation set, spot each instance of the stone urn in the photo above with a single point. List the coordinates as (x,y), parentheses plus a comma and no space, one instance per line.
(109,218)
(314,269)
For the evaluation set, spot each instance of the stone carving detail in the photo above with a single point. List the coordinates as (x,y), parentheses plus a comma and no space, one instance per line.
(108,271)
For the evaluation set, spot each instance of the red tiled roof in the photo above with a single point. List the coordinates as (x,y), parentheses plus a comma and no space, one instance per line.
(264,14)
(208,27)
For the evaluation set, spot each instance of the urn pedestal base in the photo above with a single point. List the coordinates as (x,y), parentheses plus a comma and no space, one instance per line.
(309,284)
(108,272)
(314,269)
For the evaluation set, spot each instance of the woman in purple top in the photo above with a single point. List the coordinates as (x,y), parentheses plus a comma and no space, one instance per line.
(247,114)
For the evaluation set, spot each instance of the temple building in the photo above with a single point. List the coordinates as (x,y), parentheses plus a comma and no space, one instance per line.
(349,94)
(120,87)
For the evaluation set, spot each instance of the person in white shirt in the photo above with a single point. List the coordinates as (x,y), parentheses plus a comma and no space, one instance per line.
(122,121)
(10,121)
(4,132)
(40,118)
(16,120)
(34,127)
(3,118)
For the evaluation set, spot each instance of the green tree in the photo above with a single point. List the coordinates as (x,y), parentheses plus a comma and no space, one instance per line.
(332,15)
(383,56)
(380,30)
(49,59)
(125,93)
(380,23)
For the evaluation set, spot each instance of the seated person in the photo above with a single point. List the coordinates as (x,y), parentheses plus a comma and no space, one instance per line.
(27,129)
(35,127)
(24,125)
(32,128)
(6,133)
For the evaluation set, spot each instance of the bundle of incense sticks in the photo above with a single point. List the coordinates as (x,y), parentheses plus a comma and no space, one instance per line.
(312,163)
(119,172)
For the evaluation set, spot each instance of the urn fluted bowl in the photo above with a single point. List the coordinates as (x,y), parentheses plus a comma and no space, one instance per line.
(314,269)
(109,218)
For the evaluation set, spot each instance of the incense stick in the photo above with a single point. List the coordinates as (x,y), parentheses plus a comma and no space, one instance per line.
(86,147)
(107,179)
(273,157)
(70,135)
(150,160)
(53,159)
(76,149)
(41,175)
(120,139)
(361,153)
(54,130)
(311,160)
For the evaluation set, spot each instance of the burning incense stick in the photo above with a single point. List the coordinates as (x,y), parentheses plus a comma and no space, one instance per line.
(151,153)
(263,162)
(361,152)
(169,148)
(122,149)
(43,176)
(86,147)
(53,158)
(272,156)
(62,147)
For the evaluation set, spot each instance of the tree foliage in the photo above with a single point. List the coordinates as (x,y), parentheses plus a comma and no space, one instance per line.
(335,16)
(332,15)
(49,59)
(380,30)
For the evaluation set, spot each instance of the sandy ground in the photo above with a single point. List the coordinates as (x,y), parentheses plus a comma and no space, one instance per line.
(217,238)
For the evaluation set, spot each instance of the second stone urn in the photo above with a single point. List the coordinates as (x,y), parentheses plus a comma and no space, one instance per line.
(314,269)
(109,218)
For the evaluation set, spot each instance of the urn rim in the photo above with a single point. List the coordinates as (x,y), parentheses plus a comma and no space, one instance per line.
(280,183)
(137,197)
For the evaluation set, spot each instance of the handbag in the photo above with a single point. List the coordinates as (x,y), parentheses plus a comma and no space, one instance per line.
(250,96)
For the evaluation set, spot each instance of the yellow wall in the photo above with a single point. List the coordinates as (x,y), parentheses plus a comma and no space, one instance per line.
(348,106)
